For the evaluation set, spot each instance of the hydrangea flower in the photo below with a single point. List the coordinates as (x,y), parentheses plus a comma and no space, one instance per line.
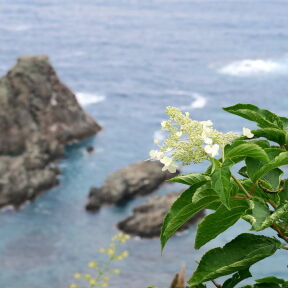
(188,141)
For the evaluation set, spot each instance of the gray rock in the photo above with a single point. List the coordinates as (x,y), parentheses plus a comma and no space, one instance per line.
(140,178)
(147,218)
(38,116)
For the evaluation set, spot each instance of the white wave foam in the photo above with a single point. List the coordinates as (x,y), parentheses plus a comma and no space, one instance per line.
(199,102)
(251,67)
(89,98)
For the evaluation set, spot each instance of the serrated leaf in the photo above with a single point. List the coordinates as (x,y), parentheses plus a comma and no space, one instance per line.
(280,160)
(190,179)
(220,183)
(271,279)
(201,192)
(273,177)
(259,213)
(247,150)
(284,120)
(239,254)
(214,224)
(264,118)
(181,211)
(237,278)
(276,215)
(272,134)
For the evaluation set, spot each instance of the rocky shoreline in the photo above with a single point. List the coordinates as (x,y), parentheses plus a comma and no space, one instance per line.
(39,115)
(147,218)
(134,180)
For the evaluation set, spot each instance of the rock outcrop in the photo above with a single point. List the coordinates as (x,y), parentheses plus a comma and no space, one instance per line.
(140,178)
(38,116)
(147,218)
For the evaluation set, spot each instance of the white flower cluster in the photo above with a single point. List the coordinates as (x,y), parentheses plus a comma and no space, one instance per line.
(188,141)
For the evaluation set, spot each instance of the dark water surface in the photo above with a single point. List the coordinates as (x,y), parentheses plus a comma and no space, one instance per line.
(128,60)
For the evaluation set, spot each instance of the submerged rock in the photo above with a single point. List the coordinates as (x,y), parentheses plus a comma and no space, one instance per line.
(136,179)
(147,218)
(38,116)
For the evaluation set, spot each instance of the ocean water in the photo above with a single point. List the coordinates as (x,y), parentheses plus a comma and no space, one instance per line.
(127,60)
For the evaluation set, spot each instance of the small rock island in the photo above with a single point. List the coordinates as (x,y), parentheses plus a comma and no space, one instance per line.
(39,115)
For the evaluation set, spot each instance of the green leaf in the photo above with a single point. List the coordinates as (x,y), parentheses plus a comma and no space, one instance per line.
(272,134)
(273,152)
(239,254)
(280,160)
(214,224)
(258,192)
(201,192)
(190,179)
(273,177)
(247,150)
(220,182)
(259,213)
(275,216)
(243,172)
(264,118)
(237,278)
(181,211)
(271,279)
(284,193)
(284,120)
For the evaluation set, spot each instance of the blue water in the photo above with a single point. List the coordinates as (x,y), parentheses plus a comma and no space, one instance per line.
(137,57)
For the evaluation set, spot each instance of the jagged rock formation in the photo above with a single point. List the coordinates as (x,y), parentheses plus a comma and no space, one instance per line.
(140,178)
(38,116)
(147,218)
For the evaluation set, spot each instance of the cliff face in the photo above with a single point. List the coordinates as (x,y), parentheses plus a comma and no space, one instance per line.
(38,116)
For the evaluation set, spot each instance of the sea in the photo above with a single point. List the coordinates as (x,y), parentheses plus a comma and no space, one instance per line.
(126,60)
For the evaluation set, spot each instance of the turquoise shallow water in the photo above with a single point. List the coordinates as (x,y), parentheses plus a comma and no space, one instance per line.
(128,60)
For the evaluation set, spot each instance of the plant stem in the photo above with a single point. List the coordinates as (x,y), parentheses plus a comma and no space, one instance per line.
(241,186)
(216,284)
(280,232)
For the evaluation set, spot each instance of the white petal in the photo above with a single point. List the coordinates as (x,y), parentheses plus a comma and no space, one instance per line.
(212,150)
(247,132)
(164,168)
(207,123)
(179,133)
(172,168)
(152,154)
(163,124)
(208,149)
(215,150)
(166,161)
(208,140)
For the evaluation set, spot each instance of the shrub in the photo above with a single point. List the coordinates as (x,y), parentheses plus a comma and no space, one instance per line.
(258,194)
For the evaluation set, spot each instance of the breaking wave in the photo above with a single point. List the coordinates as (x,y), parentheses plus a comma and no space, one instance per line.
(251,67)
(89,98)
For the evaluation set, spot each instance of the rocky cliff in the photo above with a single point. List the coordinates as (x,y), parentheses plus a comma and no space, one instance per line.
(38,116)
